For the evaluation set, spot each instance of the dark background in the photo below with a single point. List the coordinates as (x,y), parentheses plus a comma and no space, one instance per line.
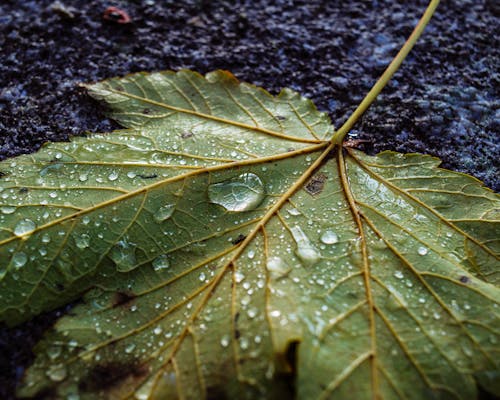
(444,101)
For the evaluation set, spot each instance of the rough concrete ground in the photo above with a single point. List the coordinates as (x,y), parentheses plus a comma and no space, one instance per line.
(444,101)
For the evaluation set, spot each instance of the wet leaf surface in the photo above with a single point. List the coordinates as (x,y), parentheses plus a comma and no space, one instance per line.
(224,248)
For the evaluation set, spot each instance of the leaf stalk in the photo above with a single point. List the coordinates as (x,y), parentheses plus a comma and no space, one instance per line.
(339,135)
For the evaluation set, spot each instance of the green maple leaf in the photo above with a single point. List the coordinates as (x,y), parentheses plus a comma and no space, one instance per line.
(225,247)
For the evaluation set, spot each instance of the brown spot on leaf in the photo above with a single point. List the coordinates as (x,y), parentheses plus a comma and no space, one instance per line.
(464,279)
(239,239)
(316,184)
(123,299)
(187,134)
(110,375)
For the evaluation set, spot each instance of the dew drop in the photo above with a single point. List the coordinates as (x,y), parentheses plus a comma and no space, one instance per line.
(307,253)
(46,238)
(277,267)
(157,330)
(7,209)
(130,348)
(19,259)
(24,227)
(398,274)
(161,262)
(242,193)
(224,342)
(251,254)
(164,212)
(293,211)
(123,255)
(131,174)
(422,251)
(57,373)
(238,276)
(113,176)
(202,277)
(329,237)
(82,241)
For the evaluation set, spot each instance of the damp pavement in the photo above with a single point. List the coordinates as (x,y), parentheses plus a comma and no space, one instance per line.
(444,101)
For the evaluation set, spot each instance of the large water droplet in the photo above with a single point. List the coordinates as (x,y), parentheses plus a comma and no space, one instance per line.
(164,212)
(277,267)
(82,241)
(161,262)
(57,373)
(242,193)
(306,251)
(422,251)
(19,259)
(24,227)
(329,237)
(123,254)
(7,209)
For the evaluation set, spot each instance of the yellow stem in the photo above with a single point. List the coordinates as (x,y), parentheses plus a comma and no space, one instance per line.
(339,135)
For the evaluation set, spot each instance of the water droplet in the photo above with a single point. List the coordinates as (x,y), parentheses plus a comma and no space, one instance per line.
(57,373)
(24,227)
(238,276)
(113,176)
(251,254)
(130,348)
(164,212)
(224,342)
(161,262)
(19,259)
(244,343)
(131,174)
(83,177)
(202,277)
(398,274)
(242,193)
(422,251)
(46,238)
(329,237)
(7,209)
(82,241)
(123,255)
(277,267)
(293,211)
(54,351)
(157,330)
(307,253)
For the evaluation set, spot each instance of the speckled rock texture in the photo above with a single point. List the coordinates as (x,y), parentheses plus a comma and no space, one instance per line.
(444,101)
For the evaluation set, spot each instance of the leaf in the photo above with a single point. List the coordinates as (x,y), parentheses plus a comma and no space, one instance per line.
(226,248)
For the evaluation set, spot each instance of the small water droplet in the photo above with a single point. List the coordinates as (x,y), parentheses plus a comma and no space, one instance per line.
(157,330)
(224,342)
(83,177)
(238,276)
(398,274)
(242,193)
(202,277)
(19,259)
(329,237)
(161,262)
(24,227)
(82,241)
(422,251)
(164,212)
(251,254)
(293,211)
(307,253)
(46,238)
(7,209)
(113,176)
(277,267)
(130,348)
(131,174)
(57,373)
(123,255)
